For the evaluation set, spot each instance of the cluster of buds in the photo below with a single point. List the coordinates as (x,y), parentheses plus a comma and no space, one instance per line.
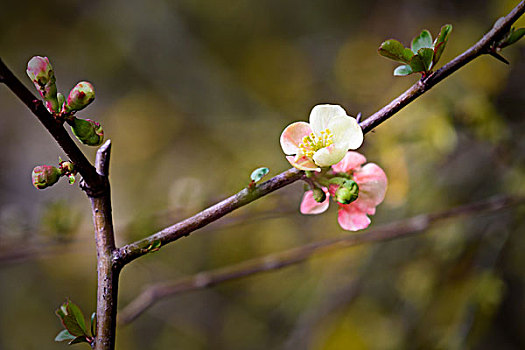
(44,176)
(41,72)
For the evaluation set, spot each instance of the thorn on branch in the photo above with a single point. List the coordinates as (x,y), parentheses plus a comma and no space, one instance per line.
(497,56)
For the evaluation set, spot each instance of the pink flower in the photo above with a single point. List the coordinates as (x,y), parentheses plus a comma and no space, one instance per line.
(322,142)
(372,183)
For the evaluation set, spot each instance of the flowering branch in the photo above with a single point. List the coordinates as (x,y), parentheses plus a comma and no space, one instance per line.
(134,250)
(399,229)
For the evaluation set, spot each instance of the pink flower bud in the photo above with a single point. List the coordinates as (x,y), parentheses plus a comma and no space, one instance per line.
(41,73)
(44,176)
(80,96)
(40,70)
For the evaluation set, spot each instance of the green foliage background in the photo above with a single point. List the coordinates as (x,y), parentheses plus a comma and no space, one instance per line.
(194,95)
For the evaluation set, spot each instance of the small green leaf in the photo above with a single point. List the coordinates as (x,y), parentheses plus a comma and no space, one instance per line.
(423,40)
(259,173)
(94,324)
(426,55)
(64,335)
(417,65)
(514,36)
(441,42)
(79,339)
(153,247)
(403,70)
(72,326)
(394,50)
(76,313)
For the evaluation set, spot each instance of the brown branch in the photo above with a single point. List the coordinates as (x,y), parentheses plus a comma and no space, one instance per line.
(107,271)
(134,250)
(399,229)
(55,128)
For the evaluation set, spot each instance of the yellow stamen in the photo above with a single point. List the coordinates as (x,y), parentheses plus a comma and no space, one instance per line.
(312,143)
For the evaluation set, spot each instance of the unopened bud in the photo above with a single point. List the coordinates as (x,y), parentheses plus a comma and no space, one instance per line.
(319,195)
(80,96)
(67,167)
(347,193)
(45,175)
(87,131)
(40,71)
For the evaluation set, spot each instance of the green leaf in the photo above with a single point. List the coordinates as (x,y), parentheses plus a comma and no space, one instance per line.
(514,36)
(259,173)
(403,70)
(417,65)
(64,335)
(94,324)
(76,313)
(71,324)
(423,40)
(426,55)
(441,42)
(394,50)
(80,339)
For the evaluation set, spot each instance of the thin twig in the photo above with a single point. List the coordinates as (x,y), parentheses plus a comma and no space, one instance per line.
(400,229)
(136,249)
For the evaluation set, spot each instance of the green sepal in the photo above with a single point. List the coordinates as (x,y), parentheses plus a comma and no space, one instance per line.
(87,131)
(423,40)
(403,70)
(347,193)
(441,42)
(394,50)
(337,181)
(319,195)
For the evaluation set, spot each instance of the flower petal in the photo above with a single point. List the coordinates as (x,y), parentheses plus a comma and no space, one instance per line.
(372,183)
(350,162)
(346,132)
(350,218)
(321,115)
(328,156)
(303,163)
(310,206)
(293,135)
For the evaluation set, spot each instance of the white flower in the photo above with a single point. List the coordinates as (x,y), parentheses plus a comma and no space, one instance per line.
(322,142)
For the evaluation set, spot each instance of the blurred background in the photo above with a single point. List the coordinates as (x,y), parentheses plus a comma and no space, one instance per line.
(194,96)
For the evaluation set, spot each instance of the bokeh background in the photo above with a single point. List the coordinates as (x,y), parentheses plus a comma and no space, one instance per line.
(194,95)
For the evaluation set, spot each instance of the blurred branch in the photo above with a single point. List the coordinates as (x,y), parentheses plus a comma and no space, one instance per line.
(183,228)
(400,229)
(483,46)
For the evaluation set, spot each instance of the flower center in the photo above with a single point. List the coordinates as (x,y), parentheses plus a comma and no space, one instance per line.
(312,143)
